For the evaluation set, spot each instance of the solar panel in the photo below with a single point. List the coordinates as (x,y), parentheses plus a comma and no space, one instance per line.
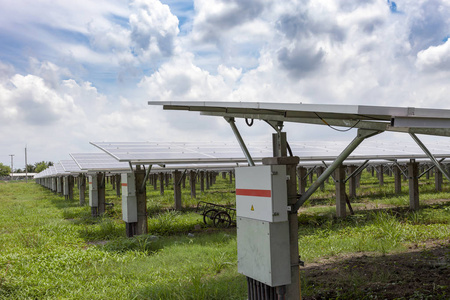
(59,170)
(70,166)
(175,153)
(98,162)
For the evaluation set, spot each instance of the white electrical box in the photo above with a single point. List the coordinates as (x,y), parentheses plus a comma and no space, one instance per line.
(129,200)
(93,191)
(263,251)
(262,224)
(66,186)
(261,193)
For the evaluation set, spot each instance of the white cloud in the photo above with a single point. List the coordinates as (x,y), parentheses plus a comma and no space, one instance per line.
(435,58)
(153,29)
(181,79)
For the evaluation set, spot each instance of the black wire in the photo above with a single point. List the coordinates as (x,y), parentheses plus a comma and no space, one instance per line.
(289,149)
(340,130)
(249,124)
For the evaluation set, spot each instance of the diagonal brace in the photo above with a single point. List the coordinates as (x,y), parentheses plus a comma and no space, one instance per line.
(400,168)
(146,177)
(357,171)
(360,137)
(428,169)
(430,156)
(240,141)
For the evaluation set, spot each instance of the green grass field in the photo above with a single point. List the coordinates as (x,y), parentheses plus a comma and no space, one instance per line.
(51,248)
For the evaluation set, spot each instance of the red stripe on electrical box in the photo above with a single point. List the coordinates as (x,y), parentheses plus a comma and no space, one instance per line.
(254,193)
(124,184)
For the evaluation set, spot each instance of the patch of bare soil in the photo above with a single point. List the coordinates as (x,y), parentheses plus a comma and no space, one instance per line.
(423,272)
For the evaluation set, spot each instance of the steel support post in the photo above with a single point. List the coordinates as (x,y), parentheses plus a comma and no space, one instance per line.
(177,189)
(320,171)
(202,181)
(339,175)
(192,183)
(352,182)
(101,209)
(397,179)
(301,174)
(167,179)
(71,182)
(155,181)
(291,291)
(438,180)
(361,136)
(141,201)
(208,179)
(82,188)
(161,183)
(413,174)
(118,184)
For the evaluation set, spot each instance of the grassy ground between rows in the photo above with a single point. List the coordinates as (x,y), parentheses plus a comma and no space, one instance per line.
(51,248)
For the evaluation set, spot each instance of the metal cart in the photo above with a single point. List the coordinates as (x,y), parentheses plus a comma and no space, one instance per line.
(220,216)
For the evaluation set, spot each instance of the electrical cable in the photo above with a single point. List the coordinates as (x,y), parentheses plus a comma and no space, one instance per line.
(340,130)
(249,124)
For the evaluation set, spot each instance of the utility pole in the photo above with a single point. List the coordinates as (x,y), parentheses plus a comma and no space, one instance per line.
(12,165)
(26,165)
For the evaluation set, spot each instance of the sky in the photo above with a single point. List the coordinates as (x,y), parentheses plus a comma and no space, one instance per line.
(72,72)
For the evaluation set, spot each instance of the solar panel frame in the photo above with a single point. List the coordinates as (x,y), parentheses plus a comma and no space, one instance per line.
(382,118)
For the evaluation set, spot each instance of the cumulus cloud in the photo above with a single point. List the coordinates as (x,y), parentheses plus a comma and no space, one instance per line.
(429,23)
(435,58)
(216,17)
(181,79)
(153,28)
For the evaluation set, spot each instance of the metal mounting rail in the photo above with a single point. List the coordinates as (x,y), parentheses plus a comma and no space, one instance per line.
(360,137)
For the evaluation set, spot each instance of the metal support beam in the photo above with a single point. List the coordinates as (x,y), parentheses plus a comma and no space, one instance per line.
(401,169)
(310,171)
(146,177)
(361,136)
(357,171)
(326,166)
(428,153)
(240,141)
(430,168)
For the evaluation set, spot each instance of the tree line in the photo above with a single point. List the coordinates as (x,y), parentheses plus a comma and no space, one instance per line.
(36,168)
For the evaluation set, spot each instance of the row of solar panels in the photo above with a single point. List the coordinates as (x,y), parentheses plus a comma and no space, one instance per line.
(165,156)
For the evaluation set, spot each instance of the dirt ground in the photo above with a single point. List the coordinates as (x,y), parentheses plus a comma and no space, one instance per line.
(423,272)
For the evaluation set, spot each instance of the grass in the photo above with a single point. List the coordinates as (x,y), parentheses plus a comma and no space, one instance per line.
(52,248)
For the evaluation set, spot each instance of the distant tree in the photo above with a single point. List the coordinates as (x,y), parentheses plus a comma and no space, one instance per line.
(19,171)
(41,166)
(4,170)
(31,168)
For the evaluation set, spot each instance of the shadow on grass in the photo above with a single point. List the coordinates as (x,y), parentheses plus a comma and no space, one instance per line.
(417,274)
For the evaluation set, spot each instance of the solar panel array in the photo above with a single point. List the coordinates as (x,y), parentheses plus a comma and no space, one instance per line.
(167,156)
(213,152)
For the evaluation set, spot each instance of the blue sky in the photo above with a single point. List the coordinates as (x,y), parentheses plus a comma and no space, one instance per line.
(74,72)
